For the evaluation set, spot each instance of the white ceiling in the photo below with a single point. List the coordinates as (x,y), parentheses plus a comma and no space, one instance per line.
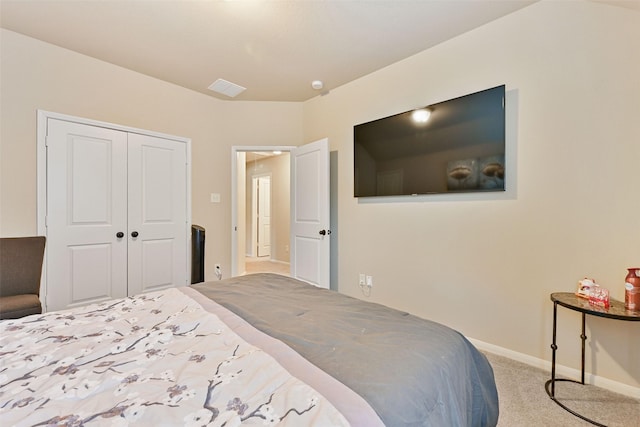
(273,48)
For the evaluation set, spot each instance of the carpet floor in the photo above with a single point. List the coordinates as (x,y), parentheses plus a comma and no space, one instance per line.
(524,401)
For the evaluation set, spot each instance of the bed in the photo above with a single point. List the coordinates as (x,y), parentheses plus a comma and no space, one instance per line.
(260,349)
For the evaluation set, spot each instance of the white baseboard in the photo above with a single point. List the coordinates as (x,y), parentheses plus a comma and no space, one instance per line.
(562,370)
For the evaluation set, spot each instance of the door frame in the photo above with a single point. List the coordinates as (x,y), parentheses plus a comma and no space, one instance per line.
(234,194)
(42,119)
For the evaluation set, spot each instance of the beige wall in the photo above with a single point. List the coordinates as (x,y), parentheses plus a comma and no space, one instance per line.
(487,264)
(36,75)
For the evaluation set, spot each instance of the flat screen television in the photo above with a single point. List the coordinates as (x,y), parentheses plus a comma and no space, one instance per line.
(452,146)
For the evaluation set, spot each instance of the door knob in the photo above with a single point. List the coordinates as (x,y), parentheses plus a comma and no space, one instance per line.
(324,232)
(119,234)
(134,234)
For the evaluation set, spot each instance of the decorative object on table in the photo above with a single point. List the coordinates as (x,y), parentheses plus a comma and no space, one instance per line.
(599,296)
(584,287)
(632,289)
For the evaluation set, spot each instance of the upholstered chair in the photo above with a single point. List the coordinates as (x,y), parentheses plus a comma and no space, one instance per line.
(20,271)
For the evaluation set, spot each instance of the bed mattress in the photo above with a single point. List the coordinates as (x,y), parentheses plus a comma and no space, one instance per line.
(411,371)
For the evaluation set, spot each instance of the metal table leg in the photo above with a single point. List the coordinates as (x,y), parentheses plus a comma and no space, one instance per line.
(583,337)
(550,385)
(554,347)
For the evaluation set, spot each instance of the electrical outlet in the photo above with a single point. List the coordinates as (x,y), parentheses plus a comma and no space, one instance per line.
(361,281)
(370,281)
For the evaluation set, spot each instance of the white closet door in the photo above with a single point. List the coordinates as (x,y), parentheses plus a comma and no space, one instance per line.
(86,209)
(157,213)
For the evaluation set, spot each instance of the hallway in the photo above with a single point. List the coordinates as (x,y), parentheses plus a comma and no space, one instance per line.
(265,265)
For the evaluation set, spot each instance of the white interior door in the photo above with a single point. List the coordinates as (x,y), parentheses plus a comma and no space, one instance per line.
(117,213)
(157,220)
(264,216)
(86,209)
(310,214)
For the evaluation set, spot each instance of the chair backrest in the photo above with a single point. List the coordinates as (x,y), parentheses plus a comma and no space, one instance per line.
(21,265)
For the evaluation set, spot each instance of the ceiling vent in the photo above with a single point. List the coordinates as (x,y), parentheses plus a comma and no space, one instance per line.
(227,88)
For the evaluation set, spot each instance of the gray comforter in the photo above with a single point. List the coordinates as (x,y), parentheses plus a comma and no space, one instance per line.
(413,372)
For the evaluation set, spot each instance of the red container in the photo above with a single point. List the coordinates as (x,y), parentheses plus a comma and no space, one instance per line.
(632,290)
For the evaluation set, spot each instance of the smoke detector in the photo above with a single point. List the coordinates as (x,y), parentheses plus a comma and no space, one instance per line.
(317,84)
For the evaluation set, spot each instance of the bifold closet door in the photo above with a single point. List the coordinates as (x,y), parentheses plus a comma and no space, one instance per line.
(86,212)
(116,214)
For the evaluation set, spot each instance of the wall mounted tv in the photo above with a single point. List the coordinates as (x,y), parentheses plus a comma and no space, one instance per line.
(460,147)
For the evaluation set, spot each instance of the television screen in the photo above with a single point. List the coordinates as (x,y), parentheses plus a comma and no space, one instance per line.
(452,146)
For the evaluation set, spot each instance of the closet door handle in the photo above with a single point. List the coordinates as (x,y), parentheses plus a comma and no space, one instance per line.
(134,234)
(119,234)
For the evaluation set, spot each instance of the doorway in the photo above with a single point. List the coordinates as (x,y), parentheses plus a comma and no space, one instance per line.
(308,210)
(263,211)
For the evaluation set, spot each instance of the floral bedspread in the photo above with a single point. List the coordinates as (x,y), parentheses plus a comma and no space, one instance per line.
(156,359)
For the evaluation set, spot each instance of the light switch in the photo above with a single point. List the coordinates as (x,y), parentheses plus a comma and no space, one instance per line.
(215,197)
